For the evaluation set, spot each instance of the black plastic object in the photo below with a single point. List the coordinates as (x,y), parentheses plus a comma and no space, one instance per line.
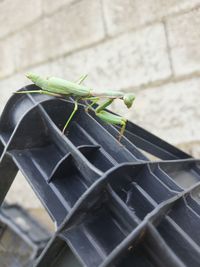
(22,238)
(112,205)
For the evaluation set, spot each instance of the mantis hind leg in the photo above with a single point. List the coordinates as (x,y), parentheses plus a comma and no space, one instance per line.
(81,79)
(38,92)
(71,116)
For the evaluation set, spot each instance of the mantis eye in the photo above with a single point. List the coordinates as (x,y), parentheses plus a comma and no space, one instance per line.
(128,100)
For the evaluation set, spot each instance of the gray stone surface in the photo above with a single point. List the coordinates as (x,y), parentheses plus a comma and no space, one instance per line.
(130,14)
(51,6)
(8,86)
(129,60)
(16,14)
(184,39)
(39,43)
(74,27)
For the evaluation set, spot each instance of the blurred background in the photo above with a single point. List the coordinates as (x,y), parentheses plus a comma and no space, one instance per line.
(147,47)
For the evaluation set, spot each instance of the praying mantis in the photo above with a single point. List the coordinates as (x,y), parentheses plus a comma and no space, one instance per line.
(58,87)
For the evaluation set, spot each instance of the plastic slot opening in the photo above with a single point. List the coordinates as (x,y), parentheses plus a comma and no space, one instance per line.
(66,257)
(77,136)
(148,250)
(59,111)
(182,174)
(151,184)
(104,227)
(193,200)
(1,148)
(195,195)
(34,130)
(137,256)
(191,221)
(143,178)
(59,254)
(43,158)
(68,183)
(136,201)
(96,156)
(17,109)
(37,178)
(166,179)
(89,254)
(179,242)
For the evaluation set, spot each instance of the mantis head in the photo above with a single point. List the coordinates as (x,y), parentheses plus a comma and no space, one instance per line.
(128,100)
(38,80)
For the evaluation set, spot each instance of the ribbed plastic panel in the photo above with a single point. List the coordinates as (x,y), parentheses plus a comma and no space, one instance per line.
(113,206)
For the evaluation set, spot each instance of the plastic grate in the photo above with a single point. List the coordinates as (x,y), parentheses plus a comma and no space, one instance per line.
(113,206)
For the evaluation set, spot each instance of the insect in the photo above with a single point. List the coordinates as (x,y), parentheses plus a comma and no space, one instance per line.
(62,88)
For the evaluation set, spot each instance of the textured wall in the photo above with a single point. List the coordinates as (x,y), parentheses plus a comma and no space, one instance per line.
(147,47)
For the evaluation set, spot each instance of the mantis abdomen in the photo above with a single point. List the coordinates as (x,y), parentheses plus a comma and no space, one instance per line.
(59,86)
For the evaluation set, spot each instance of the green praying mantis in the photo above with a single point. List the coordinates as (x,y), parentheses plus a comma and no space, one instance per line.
(58,87)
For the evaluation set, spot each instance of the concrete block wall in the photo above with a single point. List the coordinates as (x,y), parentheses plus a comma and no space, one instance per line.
(147,47)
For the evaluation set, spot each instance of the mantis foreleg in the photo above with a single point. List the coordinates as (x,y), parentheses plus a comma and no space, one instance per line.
(71,116)
(104,105)
(111,118)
